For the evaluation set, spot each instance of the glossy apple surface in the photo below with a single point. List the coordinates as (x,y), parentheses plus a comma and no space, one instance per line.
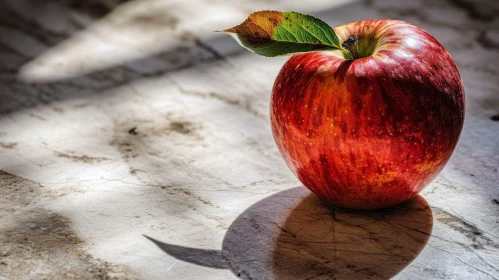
(371,132)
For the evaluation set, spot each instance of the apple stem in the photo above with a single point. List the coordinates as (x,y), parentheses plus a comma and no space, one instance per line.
(351,45)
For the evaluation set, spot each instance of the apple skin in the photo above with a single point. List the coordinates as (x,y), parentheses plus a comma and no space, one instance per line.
(372,132)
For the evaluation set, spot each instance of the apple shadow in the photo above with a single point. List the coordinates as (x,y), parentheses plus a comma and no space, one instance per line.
(295,235)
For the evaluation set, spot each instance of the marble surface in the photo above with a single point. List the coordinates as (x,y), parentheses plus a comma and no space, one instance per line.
(135,144)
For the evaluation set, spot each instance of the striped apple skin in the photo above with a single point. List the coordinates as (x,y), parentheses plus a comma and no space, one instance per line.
(369,133)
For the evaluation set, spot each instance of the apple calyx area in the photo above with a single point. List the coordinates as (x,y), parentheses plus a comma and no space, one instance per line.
(351,45)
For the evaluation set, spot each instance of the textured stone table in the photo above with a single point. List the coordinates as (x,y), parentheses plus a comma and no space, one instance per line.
(135,143)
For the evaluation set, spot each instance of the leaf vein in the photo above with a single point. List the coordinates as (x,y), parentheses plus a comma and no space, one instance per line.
(326,34)
(320,40)
(296,39)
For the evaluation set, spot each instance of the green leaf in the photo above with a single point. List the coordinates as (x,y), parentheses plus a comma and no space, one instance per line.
(273,33)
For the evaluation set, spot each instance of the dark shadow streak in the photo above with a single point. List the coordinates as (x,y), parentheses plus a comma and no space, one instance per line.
(208,258)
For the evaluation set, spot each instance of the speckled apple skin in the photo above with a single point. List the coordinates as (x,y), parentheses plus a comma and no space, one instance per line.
(369,133)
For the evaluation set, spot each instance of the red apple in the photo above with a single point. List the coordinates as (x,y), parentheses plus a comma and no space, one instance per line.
(369,132)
